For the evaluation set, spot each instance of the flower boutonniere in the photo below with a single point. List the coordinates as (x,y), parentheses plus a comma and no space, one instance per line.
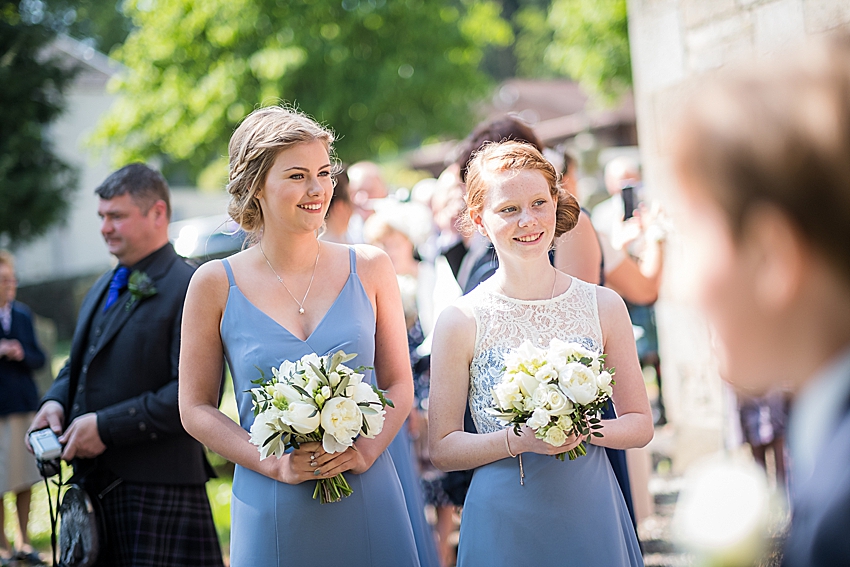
(140,286)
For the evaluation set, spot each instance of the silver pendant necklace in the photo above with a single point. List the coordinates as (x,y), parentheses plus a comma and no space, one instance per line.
(316,263)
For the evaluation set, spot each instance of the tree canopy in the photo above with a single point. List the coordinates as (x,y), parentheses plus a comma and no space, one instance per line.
(590,43)
(383,74)
(35,184)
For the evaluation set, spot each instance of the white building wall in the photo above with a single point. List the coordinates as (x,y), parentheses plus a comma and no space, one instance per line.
(672,43)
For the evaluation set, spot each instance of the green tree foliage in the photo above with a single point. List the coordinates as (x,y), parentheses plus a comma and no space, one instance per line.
(101,22)
(35,184)
(533,37)
(382,73)
(590,43)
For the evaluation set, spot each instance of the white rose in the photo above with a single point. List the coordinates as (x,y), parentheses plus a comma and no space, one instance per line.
(604,383)
(560,348)
(341,419)
(569,351)
(539,398)
(507,395)
(555,437)
(546,373)
(303,418)
(578,383)
(263,428)
(559,403)
(374,422)
(285,370)
(526,355)
(539,418)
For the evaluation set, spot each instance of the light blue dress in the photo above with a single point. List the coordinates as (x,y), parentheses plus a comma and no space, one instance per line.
(401,451)
(568,513)
(277,524)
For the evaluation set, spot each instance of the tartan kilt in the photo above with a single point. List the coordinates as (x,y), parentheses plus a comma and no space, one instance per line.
(156,525)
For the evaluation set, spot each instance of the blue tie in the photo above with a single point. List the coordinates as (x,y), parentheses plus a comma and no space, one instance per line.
(118,283)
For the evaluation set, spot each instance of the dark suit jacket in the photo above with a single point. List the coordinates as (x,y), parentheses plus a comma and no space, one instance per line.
(132,380)
(820,521)
(19,393)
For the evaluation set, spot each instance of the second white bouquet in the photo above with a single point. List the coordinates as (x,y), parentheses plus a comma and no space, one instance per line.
(558,391)
(317,398)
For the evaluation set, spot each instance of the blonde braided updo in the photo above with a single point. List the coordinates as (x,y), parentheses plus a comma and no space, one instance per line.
(253,149)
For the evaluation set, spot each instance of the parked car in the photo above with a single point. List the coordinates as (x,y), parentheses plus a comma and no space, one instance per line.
(201,239)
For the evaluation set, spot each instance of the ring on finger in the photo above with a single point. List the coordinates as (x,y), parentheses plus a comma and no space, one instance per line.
(317,472)
(312,456)
(314,464)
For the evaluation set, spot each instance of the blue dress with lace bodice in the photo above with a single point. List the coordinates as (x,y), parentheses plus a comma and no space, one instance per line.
(567,512)
(277,524)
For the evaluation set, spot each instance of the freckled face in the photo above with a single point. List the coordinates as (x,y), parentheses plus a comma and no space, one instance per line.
(518,214)
(298,188)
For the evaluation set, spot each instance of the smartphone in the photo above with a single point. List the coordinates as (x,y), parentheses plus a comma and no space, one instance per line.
(629,204)
(45,445)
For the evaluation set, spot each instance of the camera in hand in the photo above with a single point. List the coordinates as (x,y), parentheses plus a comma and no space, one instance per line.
(629,203)
(47,450)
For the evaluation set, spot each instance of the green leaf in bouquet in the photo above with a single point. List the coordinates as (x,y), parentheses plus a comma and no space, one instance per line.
(271,438)
(367,410)
(594,420)
(343,384)
(345,357)
(301,391)
(319,371)
(597,434)
(382,396)
(586,361)
(262,377)
(335,360)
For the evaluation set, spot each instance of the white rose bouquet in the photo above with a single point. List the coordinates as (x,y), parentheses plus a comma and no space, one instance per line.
(317,398)
(557,392)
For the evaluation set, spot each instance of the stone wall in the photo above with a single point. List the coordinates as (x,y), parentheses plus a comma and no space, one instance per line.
(673,42)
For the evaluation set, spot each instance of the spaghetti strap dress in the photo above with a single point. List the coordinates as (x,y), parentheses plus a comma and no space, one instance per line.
(568,513)
(280,525)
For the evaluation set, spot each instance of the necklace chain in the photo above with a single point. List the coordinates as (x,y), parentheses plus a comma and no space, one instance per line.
(316,263)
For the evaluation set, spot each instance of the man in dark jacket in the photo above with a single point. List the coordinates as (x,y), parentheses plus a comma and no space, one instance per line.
(115,401)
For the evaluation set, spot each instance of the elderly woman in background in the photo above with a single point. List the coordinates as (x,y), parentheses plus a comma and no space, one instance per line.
(20,354)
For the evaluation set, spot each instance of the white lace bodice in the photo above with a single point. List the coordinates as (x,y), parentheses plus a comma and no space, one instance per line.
(503,323)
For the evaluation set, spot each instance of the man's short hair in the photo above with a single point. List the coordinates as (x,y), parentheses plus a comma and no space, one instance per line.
(145,186)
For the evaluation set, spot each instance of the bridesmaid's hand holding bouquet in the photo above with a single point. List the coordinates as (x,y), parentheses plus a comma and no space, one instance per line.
(558,392)
(316,399)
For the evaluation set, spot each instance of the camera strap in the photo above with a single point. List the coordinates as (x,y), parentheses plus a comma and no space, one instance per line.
(48,469)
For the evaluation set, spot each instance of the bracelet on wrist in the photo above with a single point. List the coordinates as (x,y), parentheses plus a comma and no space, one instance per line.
(508,443)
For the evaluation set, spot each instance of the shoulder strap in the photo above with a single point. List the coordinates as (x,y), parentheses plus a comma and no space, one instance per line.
(352,255)
(229,271)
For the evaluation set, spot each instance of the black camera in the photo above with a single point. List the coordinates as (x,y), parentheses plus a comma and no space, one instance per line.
(47,450)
